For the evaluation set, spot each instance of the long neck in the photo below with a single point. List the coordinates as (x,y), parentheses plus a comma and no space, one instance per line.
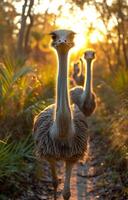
(88,83)
(63,112)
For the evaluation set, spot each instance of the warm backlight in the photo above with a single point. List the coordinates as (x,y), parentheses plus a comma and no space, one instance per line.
(74,19)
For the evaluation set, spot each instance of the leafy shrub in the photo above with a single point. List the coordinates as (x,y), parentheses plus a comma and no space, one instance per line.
(13,156)
(114,121)
(12,86)
(17,164)
(21,97)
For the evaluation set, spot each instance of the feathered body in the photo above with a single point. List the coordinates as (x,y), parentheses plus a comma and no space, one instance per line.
(70,149)
(87,107)
(84,97)
(78,75)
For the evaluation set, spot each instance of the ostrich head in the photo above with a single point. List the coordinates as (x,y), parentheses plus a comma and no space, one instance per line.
(89,55)
(76,68)
(62,40)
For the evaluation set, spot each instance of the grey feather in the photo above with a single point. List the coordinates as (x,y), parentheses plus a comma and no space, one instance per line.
(59,149)
(87,107)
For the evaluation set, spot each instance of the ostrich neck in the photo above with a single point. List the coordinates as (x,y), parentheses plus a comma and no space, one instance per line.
(62,90)
(88,82)
(63,113)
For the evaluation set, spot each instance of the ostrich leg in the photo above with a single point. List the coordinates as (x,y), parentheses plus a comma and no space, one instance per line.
(54,178)
(66,190)
(60,131)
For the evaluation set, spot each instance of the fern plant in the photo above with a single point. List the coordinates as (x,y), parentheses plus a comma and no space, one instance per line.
(13,156)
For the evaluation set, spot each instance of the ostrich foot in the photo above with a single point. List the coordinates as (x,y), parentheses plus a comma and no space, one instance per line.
(66,190)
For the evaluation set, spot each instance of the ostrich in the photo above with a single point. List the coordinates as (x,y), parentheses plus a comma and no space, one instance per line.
(83,97)
(78,75)
(60,131)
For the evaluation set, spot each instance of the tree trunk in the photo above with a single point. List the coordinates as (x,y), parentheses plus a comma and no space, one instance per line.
(20,43)
(27,35)
(123,39)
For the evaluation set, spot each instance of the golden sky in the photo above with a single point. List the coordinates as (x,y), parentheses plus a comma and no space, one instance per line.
(76,20)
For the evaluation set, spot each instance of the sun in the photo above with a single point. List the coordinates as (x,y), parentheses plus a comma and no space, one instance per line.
(74,19)
(80,42)
(96,37)
(79,21)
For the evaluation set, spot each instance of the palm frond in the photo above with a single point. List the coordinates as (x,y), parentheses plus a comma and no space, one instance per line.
(12,156)
(20,73)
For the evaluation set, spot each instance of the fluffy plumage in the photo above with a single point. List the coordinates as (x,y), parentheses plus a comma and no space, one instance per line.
(78,74)
(60,149)
(84,97)
(86,107)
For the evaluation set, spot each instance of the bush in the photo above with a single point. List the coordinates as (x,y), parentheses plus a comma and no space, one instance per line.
(15,160)
(13,156)
(116,123)
(21,97)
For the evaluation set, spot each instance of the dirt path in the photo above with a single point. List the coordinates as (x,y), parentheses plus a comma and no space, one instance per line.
(91,180)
